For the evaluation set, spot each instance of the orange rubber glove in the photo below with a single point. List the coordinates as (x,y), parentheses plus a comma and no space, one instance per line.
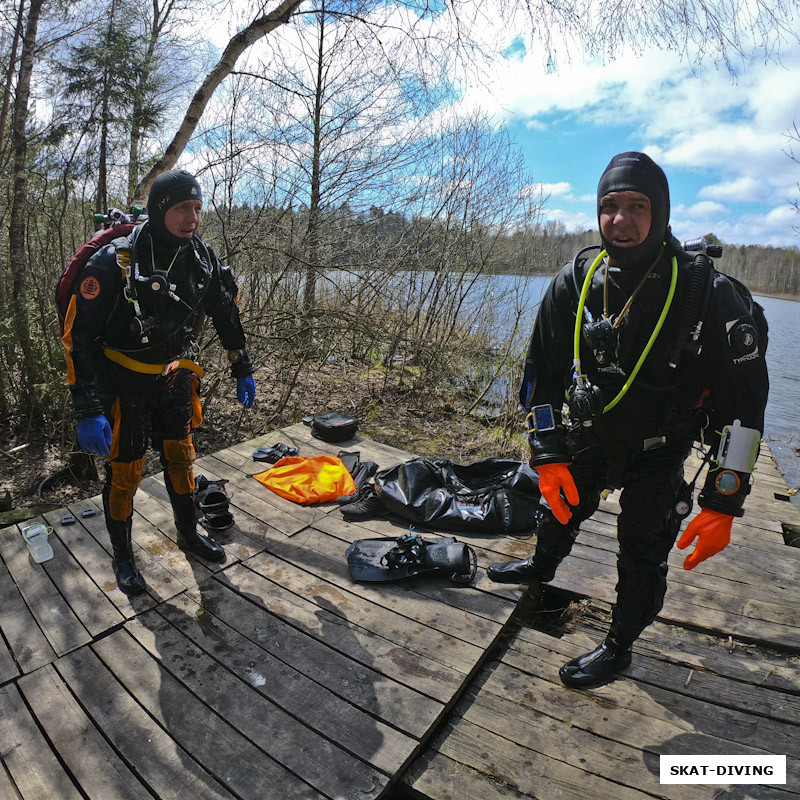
(713,533)
(553,479)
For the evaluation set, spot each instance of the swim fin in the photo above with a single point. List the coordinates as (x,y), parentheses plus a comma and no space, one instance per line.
(392,559)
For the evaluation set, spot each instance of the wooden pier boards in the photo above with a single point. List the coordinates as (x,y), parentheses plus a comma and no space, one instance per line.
(272,675)
(275,676)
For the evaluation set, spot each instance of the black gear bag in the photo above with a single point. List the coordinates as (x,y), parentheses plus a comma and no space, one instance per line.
(493,495)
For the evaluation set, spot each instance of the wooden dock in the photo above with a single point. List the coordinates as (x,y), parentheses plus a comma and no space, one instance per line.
(275,676)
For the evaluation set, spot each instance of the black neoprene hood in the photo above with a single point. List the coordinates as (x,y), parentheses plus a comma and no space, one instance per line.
(170,188)
(637,172)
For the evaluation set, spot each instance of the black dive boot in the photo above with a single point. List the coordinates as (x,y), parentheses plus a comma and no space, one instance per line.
(189,540)
(200,546)
(525,571)
(129,579)
(596,668)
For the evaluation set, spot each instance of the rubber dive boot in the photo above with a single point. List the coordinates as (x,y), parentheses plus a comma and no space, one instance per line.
(524,571)
(129,579)
(190,541)
(596,668)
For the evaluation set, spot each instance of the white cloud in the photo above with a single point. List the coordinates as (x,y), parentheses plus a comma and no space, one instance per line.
(555,189)
(729,137)
(573,221)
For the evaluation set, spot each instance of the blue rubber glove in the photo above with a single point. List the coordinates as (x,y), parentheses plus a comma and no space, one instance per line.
(246,391)
(94,435)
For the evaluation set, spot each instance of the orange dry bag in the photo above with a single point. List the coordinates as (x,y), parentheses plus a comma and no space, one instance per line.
(317,479)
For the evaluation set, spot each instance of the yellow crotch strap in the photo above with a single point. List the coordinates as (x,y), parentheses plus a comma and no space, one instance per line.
(152,369)
(179,455)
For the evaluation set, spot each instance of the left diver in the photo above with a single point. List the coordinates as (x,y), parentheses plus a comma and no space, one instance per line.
(130,338)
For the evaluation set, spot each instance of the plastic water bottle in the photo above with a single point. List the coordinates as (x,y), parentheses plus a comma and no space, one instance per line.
(36,538)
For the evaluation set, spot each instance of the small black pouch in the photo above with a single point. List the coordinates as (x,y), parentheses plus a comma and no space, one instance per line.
(333,427)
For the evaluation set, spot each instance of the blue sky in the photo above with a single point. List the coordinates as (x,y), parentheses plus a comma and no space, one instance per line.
(722,140)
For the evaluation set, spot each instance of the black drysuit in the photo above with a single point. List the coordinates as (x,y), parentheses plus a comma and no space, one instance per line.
(640,444)
(161,405)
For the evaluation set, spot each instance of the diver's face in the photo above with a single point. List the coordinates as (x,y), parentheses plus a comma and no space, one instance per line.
(625,218)
(183,219)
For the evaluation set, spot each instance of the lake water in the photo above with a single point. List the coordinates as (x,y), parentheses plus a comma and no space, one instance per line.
(782,423)
(782,419)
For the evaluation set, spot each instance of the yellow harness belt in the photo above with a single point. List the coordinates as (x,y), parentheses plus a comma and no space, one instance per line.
(152,369)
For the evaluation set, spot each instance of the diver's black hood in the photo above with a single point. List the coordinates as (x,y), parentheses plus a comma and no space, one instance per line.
(170,188)
(637,172)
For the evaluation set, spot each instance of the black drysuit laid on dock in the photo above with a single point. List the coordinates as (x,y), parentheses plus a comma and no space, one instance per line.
(636,434)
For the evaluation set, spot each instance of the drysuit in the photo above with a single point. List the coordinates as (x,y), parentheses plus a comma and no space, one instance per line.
(130,339)
(636,354)
(642,442)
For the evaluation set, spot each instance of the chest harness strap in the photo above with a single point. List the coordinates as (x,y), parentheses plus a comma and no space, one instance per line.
(580,378)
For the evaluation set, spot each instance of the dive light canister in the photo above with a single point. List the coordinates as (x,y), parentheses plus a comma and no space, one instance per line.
(738,447)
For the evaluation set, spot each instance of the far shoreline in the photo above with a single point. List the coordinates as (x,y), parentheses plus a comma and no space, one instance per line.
(777,295)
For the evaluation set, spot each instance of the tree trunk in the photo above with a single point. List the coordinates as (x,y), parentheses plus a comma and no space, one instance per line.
(314,211)
(236,46)
(101,202)
(16,230)
(8,91)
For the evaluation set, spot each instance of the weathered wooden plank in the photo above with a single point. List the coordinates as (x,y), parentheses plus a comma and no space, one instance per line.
(356,683)
(438,777)
(36,772)
(743,677)
(95,611)
(7,789)
(746,663)
(8,669)
(238,762)
(637,707)
(585,750)
(689,605)
(774,600)
(56,619)
(93,557)
(323,646)
(151,743)
(600,734)
(97,768)
(27,643)
(160,583)
(333,771)
(536,774)
(419,639)
(264,666)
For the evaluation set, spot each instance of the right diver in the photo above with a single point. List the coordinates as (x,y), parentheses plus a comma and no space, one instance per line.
(638,351)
